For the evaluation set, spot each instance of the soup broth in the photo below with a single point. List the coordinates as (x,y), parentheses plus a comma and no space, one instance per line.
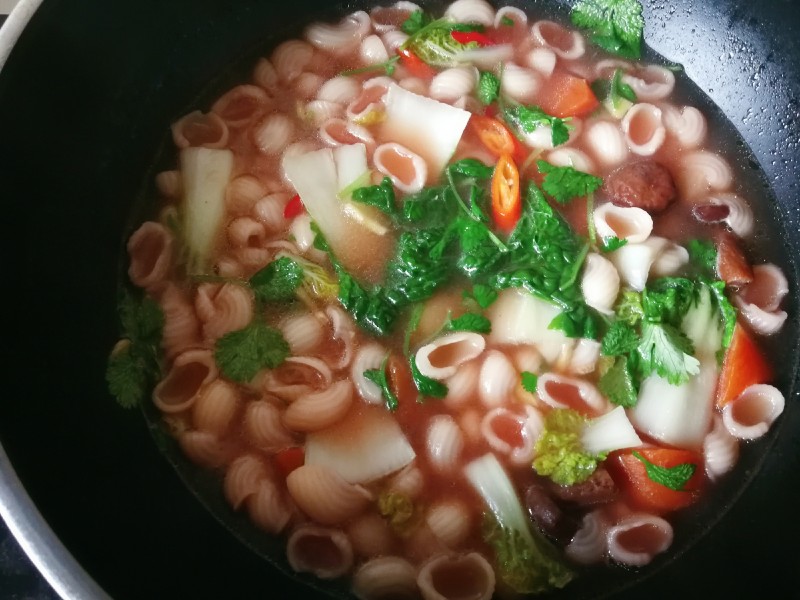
(458,306)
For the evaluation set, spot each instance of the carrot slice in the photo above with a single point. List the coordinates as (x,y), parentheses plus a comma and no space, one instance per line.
(744,365)
(566,95)
(415,65)
(630,474)
(506,203)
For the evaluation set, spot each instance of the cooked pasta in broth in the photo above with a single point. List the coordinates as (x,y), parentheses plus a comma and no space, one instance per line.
(457,304)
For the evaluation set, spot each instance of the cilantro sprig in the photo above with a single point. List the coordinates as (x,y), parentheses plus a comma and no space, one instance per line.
(564,184)
(529,118)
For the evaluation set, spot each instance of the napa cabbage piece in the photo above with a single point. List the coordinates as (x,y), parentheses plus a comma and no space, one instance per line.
(519,317)
(364,446)
(525,560)
(560,452)
(678,415)
(205,173)
(427,127)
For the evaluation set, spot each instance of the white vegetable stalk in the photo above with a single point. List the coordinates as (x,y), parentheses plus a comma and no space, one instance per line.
(352,168)
(609,432)
(364,446)
(205,173)
(678,415)
(425,126)
(703,327)
(518,317)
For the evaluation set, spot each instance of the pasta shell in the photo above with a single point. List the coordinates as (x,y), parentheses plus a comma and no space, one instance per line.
(242,479)
(393,39)
(339,132)
(651,83)
(410,482)
(215,407)
(519,83)
(273,133)
(342,37)
(750,415)
(169,184)
(606,142)
(223,308)
(191,370)
(720,450)
(369,356)
(303,332)
(372,50)
(267,507)
(643,129)
(729,209)
(462,386)
(471,11)
(265,75)
(371,535)
(768,288)
(205,449)
(291,58)
(203,130)
(507,434)
(325,553)
(559,391)
(600,283)
(242,193)
(269,210)
(670,259)
(385,578)
(497,380)
(344,333)
(181,329)
(571,157)
(624,222)
(450,521)
(565,43)
(297,377)
(444,442)
(702,172)
(450,577)
(761,321)
(451,84)
(389,18)
(407,170)
(688,125)
(241,105)
(588,545)
(151,254)
(637,538)
(321,409)
(324,496)
(264,428)
(506,13)
(633,261)
(318,112)
(441,358)
(339,89)
(542,60)
(585,355)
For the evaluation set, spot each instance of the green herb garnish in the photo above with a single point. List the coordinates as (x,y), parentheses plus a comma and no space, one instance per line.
(674,478)
(615,25)
(566,183)
(241,354)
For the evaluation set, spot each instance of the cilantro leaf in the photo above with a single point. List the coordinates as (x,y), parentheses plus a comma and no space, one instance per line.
(488,87)
(371,310)
(378,377)
(612,243)
(566,183)
(629,308)
(703,256)
(529,381)
(483,295)
(241,354)
(667,299)
(617,384)
(620,339)
(380,196)
(471,167)
(470,322)
(674,478)
(529,118)
(133,366)
(427,387)
(278,281)
(615,25)
(665,350)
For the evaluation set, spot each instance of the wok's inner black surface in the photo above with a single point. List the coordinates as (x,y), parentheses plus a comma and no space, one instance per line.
(85,101)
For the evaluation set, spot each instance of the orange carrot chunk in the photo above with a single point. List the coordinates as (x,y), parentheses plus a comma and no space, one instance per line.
(566,95)
(744,365)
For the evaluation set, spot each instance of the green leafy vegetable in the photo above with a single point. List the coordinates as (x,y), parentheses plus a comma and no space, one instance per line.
(667,351)
(133,367)
(726,310)
(612,243)
(378,377)
(566,183)
(675,478)
(416,21)
(629,308)
(278,281)
(617,95)
(617,384)
(529,381)
(371,310)
(398,509)
(388,67)
(559,452)
(620,339)
(380,196)
(471,167)
(703,255)
(507,22)
(615,25)
(525,561)
(483,295)
(433,43)
(470,322)
(427,387)
(241,354)
(530,118)
(488,87)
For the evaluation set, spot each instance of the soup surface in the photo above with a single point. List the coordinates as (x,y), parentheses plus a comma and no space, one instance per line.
(458,305)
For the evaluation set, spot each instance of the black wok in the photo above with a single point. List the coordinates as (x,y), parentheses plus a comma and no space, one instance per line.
(86,97)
